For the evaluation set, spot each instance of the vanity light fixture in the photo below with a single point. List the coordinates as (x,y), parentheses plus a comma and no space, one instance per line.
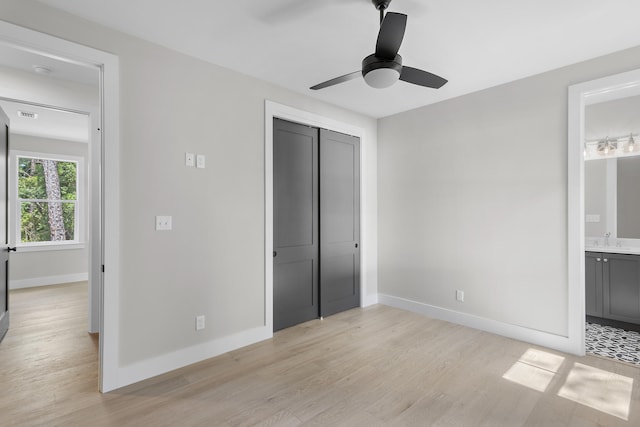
(606,146)
(630,146)
(612,146)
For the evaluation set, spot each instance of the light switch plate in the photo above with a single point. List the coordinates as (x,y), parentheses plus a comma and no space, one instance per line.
(200,161)
(459,295)
(199,323)
(189,159)
(163,223)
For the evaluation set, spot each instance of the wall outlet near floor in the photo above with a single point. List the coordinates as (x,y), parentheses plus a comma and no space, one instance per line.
(189,159)
(459,295)
(200,161)
(163,223)
(199,322)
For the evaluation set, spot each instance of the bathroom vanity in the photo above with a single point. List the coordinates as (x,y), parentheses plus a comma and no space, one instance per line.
(612,280)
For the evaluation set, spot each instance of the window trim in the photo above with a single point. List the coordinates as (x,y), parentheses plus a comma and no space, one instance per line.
(14,203)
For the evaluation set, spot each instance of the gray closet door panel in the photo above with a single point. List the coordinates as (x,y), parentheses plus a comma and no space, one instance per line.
(294,180)
(342,276)
(295,228)
(339,216)
(339,222)
(289,295)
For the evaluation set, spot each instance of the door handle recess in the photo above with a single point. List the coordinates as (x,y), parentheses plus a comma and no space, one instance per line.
(356,245)
(275,254)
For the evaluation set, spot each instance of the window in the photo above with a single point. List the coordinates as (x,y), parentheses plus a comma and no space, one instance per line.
(47,200)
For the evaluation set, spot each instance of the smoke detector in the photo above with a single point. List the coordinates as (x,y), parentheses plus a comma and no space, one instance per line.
(42,70)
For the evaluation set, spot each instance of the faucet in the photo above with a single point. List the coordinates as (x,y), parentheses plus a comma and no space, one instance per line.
(606,238)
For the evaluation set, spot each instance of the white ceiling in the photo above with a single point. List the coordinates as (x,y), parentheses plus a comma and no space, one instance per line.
(26,61)
(612,118)
(50,123)
(298,43)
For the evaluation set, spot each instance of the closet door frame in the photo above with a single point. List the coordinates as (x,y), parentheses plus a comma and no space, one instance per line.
(276,110)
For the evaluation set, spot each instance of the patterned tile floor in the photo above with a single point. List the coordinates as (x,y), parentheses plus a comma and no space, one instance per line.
(612,342)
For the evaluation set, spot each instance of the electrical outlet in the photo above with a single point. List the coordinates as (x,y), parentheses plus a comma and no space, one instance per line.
(199,322)
(163,223)
(189,159)
(593,218)
(459,295)
(200,161)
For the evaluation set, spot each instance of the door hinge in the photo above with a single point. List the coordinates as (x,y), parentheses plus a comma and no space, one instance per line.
(103,268)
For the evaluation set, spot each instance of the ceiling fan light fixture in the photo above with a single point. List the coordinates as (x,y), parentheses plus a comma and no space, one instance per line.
(381,73)
(384,67)
(381,77)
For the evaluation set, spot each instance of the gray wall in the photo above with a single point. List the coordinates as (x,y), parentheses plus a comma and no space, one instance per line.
(212,263)
(38,266)
(595,196)
(629,197)
(612,118)
(473,196)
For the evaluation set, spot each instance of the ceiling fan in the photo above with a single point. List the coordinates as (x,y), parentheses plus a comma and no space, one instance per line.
(384,67)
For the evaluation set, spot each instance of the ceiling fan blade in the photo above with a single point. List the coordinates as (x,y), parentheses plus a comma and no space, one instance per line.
(421,78)
(337,80)
(390,35)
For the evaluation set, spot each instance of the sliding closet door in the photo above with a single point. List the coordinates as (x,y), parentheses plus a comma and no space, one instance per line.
(339,222)
(295,227)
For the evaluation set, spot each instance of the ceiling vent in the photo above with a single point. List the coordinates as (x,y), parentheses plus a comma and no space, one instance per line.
(27,115)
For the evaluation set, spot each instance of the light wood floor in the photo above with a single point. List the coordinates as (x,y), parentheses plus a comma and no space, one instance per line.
(373,367)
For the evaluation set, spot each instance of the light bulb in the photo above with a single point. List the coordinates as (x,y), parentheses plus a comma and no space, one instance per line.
(631,144)
(382,77)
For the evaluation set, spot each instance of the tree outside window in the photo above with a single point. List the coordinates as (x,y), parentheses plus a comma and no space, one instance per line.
(47,199)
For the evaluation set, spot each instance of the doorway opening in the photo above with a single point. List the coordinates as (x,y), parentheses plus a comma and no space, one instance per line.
(53,270)
(586,296)
(103,160)
(58,137)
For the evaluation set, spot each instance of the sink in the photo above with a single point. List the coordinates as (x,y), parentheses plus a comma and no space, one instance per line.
(614,249)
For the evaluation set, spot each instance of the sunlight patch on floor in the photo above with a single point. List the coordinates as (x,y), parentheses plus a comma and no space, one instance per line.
(601,390)
(535,369)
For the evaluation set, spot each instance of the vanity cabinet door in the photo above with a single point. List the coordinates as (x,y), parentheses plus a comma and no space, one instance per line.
(621,287)
(593,283)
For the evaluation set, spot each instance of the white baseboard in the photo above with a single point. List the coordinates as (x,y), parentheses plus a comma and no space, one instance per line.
(369,300)
(155,366)
(520,333)
(47,280)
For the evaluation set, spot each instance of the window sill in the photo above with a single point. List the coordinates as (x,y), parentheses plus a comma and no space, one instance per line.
(49,247)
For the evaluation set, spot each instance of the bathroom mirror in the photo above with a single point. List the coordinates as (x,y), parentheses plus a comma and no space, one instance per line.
(612,169)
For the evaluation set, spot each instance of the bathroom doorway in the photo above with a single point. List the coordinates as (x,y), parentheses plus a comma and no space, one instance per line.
(612,229)
(603,249)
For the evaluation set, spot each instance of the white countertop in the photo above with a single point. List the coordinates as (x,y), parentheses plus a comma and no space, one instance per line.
(613,250)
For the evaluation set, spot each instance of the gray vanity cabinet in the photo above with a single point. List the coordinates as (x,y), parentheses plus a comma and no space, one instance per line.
(613,286)
(621,287)
(593,283)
